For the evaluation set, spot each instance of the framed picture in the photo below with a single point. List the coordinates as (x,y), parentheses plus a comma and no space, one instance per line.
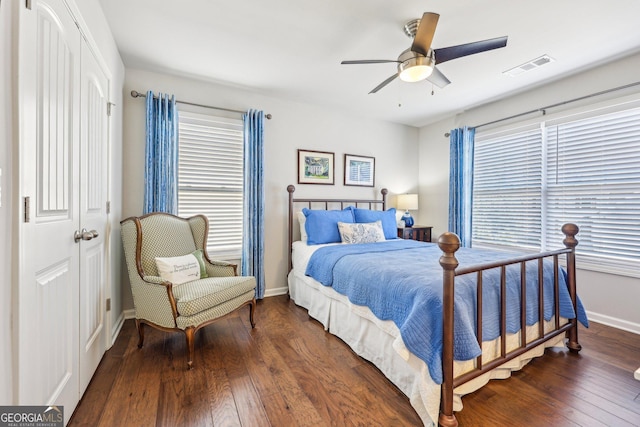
(359,170)
(315,167)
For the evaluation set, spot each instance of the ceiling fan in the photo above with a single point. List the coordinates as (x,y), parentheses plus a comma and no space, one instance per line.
(419,61)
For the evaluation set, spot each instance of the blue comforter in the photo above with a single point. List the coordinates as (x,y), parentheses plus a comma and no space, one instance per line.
(402,281)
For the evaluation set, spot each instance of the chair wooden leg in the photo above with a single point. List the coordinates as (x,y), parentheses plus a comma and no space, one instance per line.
(252,309)
(140,328)
(190,334)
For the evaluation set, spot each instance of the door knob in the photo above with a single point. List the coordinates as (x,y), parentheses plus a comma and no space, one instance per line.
(84,235)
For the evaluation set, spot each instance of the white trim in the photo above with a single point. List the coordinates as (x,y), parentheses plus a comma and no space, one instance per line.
(277,291)
(83,27)
(614,322)
(129,314)
(117,328)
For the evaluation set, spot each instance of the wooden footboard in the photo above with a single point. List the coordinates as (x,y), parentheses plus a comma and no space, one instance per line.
(449,243)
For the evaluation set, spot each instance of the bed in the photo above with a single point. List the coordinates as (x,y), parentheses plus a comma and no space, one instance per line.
(402,319)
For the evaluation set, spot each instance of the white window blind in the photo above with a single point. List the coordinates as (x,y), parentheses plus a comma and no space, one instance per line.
(594,180)
(590,175)
(507,185)
(210,178)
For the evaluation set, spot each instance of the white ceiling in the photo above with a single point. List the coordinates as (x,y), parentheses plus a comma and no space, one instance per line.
(292,49)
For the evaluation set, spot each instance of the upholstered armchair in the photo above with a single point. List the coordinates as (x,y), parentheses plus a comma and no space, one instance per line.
(191,304)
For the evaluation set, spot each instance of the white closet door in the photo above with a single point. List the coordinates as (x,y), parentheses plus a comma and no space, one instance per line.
(49,70)
(93,215)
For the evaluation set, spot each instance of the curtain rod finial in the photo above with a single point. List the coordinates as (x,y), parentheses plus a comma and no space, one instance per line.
(447,135)
(268,116)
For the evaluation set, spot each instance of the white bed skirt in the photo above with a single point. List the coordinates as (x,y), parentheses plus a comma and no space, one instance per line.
(379,342)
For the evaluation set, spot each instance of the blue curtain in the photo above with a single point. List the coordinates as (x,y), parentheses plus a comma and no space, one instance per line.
(253,226)
(161,155)
(461,183)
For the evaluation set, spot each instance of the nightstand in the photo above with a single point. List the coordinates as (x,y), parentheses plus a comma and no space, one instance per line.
(417,232)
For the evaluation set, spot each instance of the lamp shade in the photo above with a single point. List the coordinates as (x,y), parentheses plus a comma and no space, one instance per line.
(407,202)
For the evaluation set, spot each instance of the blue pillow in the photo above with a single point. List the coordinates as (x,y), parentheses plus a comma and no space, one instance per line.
(322,226)
(388,218)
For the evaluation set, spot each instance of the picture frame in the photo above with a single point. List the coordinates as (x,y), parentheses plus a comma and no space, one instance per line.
(359,170)
(316,167)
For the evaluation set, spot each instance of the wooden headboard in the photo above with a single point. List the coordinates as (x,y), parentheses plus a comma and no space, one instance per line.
(326,204)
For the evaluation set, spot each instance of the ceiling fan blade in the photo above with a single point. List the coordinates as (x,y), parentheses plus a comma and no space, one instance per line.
(438,79)
(369,61)
(424,34)
(448,53)
(384,83)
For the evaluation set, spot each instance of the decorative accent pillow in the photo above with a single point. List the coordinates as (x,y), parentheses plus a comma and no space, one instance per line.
(322,226)
(303,230)
(361,232)
(180,269)
(388,218)
(200,257)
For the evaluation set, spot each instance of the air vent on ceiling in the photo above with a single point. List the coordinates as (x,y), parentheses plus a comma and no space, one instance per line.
(530,65)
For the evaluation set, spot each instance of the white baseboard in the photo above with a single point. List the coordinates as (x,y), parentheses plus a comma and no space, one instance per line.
(614,322)
(275,292)
(129,314)
(115,330)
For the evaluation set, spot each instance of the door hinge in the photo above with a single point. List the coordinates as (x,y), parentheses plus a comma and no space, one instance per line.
(27,4)
(27,208)
(108,304)
(109,105)
(108,207)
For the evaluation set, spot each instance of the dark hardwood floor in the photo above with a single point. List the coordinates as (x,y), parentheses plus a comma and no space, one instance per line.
(289,372)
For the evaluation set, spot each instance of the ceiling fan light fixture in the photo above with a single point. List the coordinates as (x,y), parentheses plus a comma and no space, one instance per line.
(415,73)
(416,67)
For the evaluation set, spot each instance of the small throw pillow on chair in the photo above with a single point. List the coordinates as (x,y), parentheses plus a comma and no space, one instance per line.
(180,269)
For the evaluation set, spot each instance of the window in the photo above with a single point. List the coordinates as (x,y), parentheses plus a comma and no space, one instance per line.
(528,182)
(507,190)
(210,178)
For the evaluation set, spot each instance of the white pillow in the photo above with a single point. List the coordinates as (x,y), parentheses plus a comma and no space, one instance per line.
(363,232)
(179,269)
(302,219)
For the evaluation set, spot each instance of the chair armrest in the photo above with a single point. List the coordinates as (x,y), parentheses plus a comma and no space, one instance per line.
(217,268)
(156,279)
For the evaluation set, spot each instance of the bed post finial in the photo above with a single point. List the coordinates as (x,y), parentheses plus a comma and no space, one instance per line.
(570,230)
(291,188)
(449,243)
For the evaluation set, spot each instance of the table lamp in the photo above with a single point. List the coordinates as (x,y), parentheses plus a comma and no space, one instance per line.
(407,202)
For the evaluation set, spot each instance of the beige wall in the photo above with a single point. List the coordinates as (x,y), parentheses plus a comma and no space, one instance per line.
(433,176)
(294,126)
(609,299)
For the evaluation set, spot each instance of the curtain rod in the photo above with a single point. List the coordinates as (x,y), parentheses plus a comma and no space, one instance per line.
(543,109)
(136,94)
